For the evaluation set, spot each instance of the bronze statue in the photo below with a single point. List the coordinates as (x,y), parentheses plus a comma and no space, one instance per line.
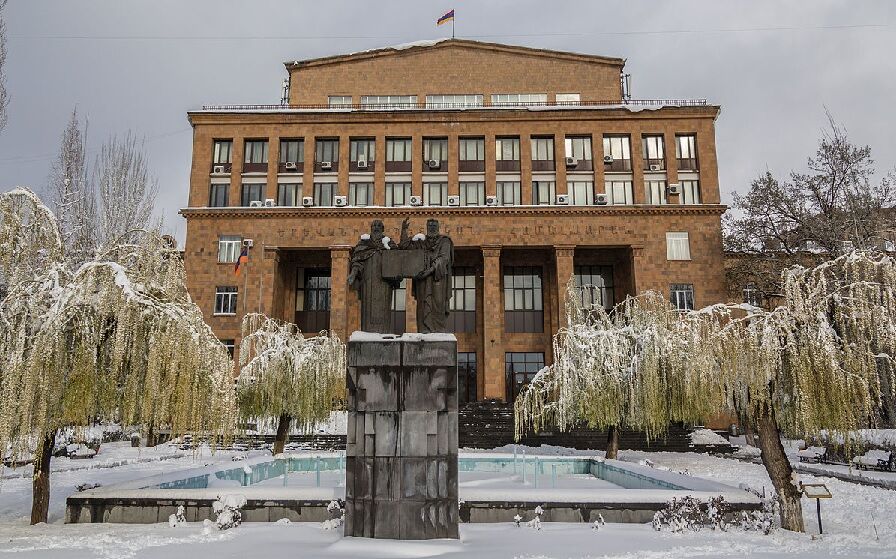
(431,286)
(366,277)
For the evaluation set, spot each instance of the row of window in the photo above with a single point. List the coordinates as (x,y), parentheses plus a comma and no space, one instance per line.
(450,100)
(471,152)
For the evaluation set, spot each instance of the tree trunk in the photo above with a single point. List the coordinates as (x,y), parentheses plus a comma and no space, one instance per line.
(282,433)
(612,442)
(748,433)
(780,472)
(40,481)
(151,435)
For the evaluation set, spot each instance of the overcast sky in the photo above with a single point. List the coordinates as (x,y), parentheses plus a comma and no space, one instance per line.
(140,65)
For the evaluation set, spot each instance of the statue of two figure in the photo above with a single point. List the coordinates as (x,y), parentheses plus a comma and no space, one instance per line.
(431,286)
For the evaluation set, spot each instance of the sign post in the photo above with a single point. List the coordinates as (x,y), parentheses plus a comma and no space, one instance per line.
(817,491)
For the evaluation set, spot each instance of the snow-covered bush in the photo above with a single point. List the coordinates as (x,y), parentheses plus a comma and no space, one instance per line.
(337,515)
(227,508)
(689,514)
(599,523)
(178,518)
(535,523)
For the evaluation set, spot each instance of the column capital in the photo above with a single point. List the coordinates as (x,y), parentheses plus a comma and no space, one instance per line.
(491,251)
(564,251)
(340,251)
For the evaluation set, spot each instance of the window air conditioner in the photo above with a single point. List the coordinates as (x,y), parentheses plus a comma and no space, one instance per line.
(655,168)
(416,200)
(454,200)
(290,165)
(218,169)
(269,203)
(601,199)
(434,163)
(673,190)
(255,203)
(608,159)
(340,201)
(307,201)
(491,200)
(562,199)
(326,165)
(362,164)
(248,243)
(572,162)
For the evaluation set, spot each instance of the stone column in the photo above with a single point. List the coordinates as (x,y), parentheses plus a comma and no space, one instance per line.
(339,290)
(492,323)
(563,256)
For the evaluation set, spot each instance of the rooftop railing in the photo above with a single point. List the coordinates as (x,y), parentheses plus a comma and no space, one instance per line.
(455,106)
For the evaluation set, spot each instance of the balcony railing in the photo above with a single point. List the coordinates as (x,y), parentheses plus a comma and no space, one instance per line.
(460,106)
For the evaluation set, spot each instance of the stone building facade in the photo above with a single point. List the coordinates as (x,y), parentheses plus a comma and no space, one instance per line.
(534,161)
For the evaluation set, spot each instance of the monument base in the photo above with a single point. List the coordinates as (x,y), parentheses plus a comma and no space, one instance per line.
(401,445)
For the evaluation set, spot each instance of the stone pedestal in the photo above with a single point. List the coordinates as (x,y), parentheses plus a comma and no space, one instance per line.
(401,451)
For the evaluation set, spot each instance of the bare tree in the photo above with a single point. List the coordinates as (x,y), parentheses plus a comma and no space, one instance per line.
(4,94)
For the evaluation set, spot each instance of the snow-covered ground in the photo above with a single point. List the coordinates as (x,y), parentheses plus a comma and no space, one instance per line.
(859,522)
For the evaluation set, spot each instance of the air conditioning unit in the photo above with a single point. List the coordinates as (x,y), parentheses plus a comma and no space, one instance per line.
(248,243)
(434,163)
(572,162)
(219,169)
(454,200)
(269,203)
(491,200)
(562,199)
(326,165)
(362,164)
(340,201)
(290,165)
(416,200)
(655,168)
(673,189)
(307,201)
(601,199)
(255,203)
(608,159)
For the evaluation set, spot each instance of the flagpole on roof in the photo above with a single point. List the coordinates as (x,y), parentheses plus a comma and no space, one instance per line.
(452,25)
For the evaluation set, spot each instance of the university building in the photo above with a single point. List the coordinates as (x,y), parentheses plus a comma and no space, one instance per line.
(535,162)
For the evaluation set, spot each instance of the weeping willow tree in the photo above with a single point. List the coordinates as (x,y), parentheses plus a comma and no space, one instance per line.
(821,361)
(287,376)
(117,340)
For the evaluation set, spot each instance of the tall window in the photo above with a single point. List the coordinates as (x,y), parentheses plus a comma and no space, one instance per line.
(222,152)
(653,150)
(682,296)
(620,192)
(462,306)
(339,100)
(292,152)
(399,308)
(752,295)
(581,193)
(472,154)
(398,155)
(362,150)
(217,195)
(360,194)
(313,299)
(543,192)
(686,152)
(690,192)
(388,101)
(466,377)
(519,98)
(523,301)
(251,192)
(655,192)
(595,286)
(454,100)
(579,148)
(229,345)
(507,154)
(677,246)
(326,151)
(472,194)
(509,193)
(520,369)
(435,193)
(617,154)
(435,149)
(225,300)
(229,247)
(543,154)
(289,194)
(256,151)
(398,193)
(324,193)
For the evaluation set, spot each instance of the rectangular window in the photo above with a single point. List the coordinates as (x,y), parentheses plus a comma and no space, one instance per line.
(581,193)
(690,192)
(230,346)
(523,310)
(519,98)
(686,152)
(682,296)
(360,194)
(471,155)
(677,246)
(326,151)
(542,154)
(655,192)
(578,147)
(752,295)
(617,154)
(595,286)
(222,152)
(313,299)
(289,194)
(362,150)
(229,248)
(435,149)
(569,97)
(324,193)
(472,194)
(251,192)
(435,193)
(217,195)
(466,378)
(507,154)
(462,306)
(399,308)
(654,152)
(453,100)
(256,151)
(339,101)
(292,151)
(225,300)
(398,155)
(388,101)
(509,193)
(520,368)
(543,192)
(398,193)
(619,192)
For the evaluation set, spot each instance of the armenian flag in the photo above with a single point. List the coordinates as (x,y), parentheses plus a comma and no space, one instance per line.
(446,18)
(243,259)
